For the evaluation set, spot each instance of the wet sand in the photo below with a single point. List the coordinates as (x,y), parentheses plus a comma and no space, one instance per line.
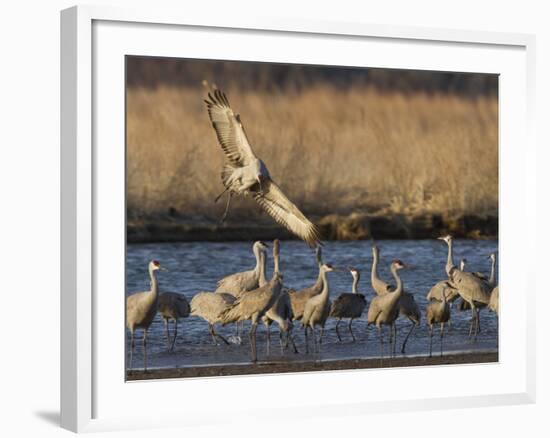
(311,365)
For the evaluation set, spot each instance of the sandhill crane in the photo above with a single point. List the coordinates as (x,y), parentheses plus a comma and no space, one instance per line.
(349,305)
(317,308)
(493,300)
(281,311)
(245,174)
(384,309)
(448,239)
(172,306)
(209,306)
(298,299)
(141,309)
(253,305)
(438,312)
(240,282)
(490,282)
(407,304)
(472,290)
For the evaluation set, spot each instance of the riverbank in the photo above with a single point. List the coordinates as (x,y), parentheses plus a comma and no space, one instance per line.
(174,227)
(305,366)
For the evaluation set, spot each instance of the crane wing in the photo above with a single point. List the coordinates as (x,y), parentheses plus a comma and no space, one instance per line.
(229,130)
(285,213)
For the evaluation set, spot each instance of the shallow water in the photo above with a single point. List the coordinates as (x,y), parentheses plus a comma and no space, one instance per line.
(196,266)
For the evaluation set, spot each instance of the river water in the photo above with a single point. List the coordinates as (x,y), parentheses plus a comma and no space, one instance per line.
(196,266)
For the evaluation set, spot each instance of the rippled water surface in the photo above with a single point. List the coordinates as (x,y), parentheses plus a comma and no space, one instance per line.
(197,266)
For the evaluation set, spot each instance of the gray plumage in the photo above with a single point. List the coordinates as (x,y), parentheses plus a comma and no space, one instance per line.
(245,174)
(493,300)
(240,282)
(298,299)
(281,311)
(317,308)
(209,306)
(171,307)
(141,309)
(474,291)
(349,305)
(384,309)
(438,312)
(253,305)
(407,307)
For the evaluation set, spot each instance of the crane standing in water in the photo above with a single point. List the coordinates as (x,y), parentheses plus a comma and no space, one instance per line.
(172,306)
(141,309)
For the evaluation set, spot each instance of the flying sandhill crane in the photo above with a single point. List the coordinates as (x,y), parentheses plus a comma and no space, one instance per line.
(172,306)
(438,312)
(317,309)
(281,311)
(241,282)
(141,309)
(253,305)
(349,305)
(298,299)
(407,304)
(245,174)
(493,300)
(209,306)
(384,309)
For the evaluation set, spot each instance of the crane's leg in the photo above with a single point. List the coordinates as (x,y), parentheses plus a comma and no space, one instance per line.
(337,333)
(394,326)
(132,345)
(252,336)
(478,310)
(175,335)
(291,338)
(350,330)
(305,334)
(472,321)
(211,330)
(381,341)
(268,327)
(226,211)
(282,344)
(221,194)
(145,350)
(321,334)
(407,337)
(431,338)
(220,336)
(314,339)
(166,333)
(441,330)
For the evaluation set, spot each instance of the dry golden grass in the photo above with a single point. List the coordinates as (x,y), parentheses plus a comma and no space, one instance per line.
(330,150)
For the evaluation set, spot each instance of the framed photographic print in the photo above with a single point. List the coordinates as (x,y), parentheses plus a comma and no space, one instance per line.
(301,205)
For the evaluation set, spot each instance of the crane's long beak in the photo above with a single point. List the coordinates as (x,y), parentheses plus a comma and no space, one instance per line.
(161,268)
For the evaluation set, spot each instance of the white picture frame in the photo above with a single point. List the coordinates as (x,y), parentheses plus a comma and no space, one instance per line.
(93,398)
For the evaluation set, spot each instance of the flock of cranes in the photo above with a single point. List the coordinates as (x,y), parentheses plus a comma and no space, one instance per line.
(250,296)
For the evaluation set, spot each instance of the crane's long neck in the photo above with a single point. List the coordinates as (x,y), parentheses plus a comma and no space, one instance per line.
(399,284)
(450,262)
(374,269)
(325,292)
(355,283)
(492,277)
(261,270)
(154,282)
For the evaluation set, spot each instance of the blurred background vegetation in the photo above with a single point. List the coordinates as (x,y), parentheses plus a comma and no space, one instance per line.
(340,141)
